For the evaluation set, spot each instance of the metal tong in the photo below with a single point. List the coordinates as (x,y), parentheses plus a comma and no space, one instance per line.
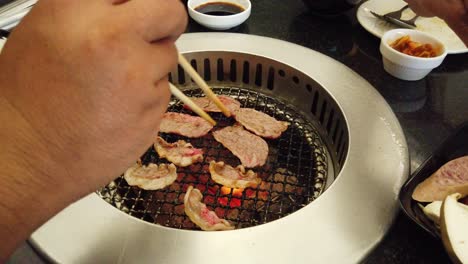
(395,18)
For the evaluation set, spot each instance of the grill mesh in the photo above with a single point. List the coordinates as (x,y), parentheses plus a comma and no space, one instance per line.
(294,175)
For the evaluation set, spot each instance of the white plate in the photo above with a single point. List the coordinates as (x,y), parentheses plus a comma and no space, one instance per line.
(433,25)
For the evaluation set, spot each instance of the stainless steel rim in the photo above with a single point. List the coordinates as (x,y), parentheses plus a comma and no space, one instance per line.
(340,226)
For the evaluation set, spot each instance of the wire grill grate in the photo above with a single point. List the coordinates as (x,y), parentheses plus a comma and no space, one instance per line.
(295,173)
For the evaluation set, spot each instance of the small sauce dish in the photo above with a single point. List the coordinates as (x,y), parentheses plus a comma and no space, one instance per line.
(407,67)
(219,15)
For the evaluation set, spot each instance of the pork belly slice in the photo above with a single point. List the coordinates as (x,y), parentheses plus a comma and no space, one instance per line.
(180,153)
(452,177)
(209,106)
(184,125)
(151,176)
(260,123)
(231,177)
(200,215)
(251,149)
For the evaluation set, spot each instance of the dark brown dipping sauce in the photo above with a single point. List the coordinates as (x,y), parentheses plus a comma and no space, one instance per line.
(219,9)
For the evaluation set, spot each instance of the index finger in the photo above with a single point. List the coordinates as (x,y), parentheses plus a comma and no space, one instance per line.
(154,20)
(419,7)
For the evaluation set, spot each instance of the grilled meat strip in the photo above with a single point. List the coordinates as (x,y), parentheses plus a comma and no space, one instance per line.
(209,106)
(252,150)
(200,215)
(151,176)
(184,125)
(180,153)
(452,177)
(231,177)
(260,123)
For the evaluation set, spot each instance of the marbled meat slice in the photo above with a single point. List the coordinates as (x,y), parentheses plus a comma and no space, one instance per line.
(180,153)
(151,176)
(452,177)
(209,106)
(252,150)
(200,215)
(184,125)
(231,177)
(260,123)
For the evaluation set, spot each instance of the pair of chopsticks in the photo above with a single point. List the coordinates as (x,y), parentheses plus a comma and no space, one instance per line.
(206,89)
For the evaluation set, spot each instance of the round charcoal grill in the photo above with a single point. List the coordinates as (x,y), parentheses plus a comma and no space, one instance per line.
(330,184)
(294,175)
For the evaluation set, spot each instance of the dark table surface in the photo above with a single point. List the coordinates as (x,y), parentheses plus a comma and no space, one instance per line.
(429,110)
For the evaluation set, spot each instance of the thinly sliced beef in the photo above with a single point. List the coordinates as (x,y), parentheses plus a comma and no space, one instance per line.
(184,125)
(209,106)
(200,215)
(151,176)
(231,177)
(252,150)
(260,123)
(180,153)
(450,178)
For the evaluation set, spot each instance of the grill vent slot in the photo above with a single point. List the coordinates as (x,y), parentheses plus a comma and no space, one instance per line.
(181,74)
(233,71)
(322,112)
(330,120)
(258,75)
(271,78)
(335,132)
(207,68)
(169,77)
(246,72)
(340,143)
(194,64)
(315,103)
(220,70)
(295,79)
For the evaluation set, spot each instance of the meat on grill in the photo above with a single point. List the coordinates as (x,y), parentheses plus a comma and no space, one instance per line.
(260,123)
(151,176)
(200,215)
(180,153)
(209,106)
(452,177)
(184,125)
(231,177)
(252,150)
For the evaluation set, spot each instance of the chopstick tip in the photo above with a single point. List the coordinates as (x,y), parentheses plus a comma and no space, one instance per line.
(227,113)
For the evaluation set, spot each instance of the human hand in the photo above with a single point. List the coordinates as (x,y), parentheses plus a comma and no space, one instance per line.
(88,81)
(442,9)
(454,12)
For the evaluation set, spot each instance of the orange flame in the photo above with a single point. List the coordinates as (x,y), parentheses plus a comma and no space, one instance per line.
(237,192)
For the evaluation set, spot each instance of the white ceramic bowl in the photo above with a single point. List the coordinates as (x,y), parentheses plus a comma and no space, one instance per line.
(406,67)
(219,22)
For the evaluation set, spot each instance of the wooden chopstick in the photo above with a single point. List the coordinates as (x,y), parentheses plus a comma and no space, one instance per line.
(200,82)
(194,107)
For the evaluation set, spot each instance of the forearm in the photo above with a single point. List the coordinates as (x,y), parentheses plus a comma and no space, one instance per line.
(460,27)
(29,195)
(453,12)
(65,134)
